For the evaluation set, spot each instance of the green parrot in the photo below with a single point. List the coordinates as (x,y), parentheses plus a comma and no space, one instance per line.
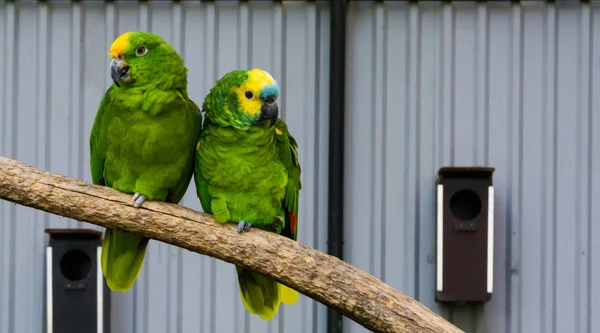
(143,140)
(247,172)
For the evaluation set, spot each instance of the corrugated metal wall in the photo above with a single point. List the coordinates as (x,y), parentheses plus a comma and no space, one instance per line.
(515,87)
(53,73)
(510,86)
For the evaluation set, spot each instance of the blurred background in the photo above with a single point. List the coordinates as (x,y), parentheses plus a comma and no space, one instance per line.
(509,85)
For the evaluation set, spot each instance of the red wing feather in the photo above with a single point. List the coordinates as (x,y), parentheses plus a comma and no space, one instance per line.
(293,220)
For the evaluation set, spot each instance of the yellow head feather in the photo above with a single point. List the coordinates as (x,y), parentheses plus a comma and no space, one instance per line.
(256,82)
(119,45)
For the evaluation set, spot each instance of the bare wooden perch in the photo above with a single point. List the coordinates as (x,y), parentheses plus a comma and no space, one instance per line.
(335,283)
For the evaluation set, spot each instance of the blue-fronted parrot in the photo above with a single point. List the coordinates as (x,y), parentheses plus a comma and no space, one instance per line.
(247,172)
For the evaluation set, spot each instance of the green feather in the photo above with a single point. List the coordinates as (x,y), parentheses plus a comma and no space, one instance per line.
(143,140)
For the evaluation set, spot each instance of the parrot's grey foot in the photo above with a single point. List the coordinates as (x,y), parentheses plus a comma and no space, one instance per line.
(243,226)
(276,224)
(138,199)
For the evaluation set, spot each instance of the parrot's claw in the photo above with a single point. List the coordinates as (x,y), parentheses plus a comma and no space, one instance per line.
(138,199)
(243,226)
(276,223)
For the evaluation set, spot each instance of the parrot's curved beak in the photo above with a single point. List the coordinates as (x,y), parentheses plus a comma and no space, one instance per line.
(269,110)
(119,71)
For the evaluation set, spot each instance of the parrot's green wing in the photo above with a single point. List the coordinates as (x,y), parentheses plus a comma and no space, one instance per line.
(97,154)
(200,181)
(288,155)
(178,192)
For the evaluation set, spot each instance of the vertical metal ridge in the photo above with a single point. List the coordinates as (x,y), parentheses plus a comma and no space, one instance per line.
(554,174)
(75,101)
(145,17)
(487,40)
(451,17)
(594,150)
(543,188)
(280,19)
(40,144)
(249,34)
(481,144)
(590,176)
(42,81)
(408,228)
(447,64)
(322,124)
(315,146)
(414,132)
(581,253)
(12,152)
(482,85)
(243,39)
(376,124)
(403,149)
(532,166)
(6,253)
(315,213)
(548,185)
(41,159)
(310,133)
(514,243)
(520,156)
(81,79)
(372,139)
(444,98)
(384,133)
(579,214)
(567,167)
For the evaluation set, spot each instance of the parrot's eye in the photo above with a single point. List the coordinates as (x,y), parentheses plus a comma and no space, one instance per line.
(140,51)
(249,95)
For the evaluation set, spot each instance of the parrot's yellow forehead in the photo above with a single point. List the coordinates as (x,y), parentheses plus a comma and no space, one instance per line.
(257,79)
(119,45)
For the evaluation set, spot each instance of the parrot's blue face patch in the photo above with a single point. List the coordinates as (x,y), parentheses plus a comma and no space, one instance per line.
(270,90)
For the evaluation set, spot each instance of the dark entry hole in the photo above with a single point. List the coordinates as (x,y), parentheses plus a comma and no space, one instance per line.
(465,205)
(75,265)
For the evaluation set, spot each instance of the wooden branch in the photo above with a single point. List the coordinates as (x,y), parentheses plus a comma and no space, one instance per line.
(335,283)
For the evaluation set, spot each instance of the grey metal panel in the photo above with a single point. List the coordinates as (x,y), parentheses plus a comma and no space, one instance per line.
(510,86)
(54,72)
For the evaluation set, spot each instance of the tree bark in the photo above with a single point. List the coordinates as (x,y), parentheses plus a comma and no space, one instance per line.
(333,282)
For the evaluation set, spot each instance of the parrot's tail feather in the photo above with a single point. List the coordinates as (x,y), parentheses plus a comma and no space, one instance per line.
(287,294)
(260,295)
(122,258)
